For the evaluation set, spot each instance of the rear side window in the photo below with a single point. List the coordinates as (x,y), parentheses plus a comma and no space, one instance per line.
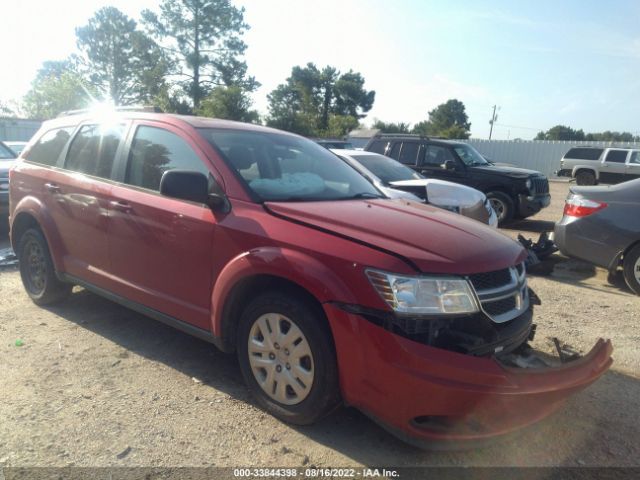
(409,153)
(395,150)
(153,152)
(616,156)
(49,146)
(93,150)
(584,153)
(378,146)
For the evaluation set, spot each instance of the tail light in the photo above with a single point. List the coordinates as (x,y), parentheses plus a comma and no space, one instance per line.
(582,207)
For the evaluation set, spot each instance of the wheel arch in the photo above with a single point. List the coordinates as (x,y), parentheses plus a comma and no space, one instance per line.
(274,269)
(578,168)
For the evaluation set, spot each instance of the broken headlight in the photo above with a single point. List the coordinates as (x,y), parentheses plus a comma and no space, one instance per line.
(424,295)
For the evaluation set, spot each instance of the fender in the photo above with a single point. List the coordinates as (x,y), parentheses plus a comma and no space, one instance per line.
(595,171)
(288,264)
(38,210)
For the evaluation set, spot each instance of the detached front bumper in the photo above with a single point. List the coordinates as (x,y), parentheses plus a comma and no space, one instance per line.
(427,395)
(531,204)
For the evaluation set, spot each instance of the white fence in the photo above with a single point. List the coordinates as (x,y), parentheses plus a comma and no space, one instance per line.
(18,129)
(541,155)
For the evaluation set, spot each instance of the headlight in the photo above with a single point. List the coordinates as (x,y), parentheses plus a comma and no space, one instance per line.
(424,295)
(528,184)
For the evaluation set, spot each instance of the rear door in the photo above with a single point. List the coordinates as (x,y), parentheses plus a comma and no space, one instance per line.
(161,248)
(633,166)
(613,168)
(78,196)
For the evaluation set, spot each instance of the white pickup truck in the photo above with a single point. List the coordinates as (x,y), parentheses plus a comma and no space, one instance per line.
(592,165)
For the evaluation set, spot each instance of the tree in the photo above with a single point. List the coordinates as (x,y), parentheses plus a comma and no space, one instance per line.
(231,103)
(123,63)
(316,102)
(447,120)
(390,127)
(204,39)
(609,136)
(56,88)
(561,132)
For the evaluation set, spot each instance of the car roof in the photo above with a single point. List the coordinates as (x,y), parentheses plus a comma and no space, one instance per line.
(196,122)
(430,140)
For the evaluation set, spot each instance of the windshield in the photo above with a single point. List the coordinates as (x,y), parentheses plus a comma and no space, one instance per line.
(470,155)
(281,167)
(385,168)
(6,153)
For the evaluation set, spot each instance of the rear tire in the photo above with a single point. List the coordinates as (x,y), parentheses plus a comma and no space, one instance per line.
(287,357)
(37,270)
(631,269)
(503,206)
(585,177)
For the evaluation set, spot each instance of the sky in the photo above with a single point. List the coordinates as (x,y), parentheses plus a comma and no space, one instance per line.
(543,62)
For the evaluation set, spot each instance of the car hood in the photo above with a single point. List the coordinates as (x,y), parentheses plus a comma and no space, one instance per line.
(432,239)
(5,166)
(504,170)
(443,193)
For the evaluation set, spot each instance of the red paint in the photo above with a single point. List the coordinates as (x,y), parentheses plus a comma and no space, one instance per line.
(184,259)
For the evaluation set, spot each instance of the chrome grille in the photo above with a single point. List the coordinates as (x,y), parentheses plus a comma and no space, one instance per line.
(503,294)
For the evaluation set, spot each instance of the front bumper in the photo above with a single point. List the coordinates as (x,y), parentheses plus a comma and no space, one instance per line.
(428,395)
(531,204)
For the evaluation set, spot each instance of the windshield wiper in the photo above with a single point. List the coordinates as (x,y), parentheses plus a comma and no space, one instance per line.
(362,195)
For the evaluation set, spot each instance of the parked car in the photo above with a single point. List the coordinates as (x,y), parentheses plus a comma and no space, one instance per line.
(593,165)
(7,157)
(601,225)
(399,181)
(333,143)
(16,146)
(268,245)
(514,192)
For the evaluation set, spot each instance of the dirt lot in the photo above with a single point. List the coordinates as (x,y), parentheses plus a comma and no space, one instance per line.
(97,385)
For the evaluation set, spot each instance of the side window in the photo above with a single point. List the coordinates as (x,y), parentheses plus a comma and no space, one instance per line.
(378,146)
(153,152)
(635,158)
(616,156)
(49,146)
(436,156)
(395,150)
(409,153)
(93,150)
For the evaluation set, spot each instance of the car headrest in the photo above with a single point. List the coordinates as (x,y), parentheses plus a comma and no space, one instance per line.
(241,157)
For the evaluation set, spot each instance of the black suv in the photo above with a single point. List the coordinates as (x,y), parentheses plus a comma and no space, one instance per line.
(514,192)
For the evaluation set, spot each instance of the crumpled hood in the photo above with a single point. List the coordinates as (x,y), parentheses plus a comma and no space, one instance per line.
(434,240)
(444,193)
(504,170)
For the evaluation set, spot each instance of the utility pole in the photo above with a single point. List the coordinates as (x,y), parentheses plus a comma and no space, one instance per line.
(493,120)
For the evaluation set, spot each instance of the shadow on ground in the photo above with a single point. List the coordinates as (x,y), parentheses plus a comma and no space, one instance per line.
(567,437)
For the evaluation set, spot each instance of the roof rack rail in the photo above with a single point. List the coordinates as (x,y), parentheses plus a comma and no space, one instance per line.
(402,135)
(143,108)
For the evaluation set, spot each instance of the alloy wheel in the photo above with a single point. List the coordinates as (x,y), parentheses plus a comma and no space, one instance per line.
(36,267)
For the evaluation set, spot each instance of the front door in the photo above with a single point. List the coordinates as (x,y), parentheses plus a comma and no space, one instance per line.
(161,248)
(613,168)
(633,167)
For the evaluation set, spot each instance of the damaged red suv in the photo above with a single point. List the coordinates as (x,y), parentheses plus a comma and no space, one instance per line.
(268,245)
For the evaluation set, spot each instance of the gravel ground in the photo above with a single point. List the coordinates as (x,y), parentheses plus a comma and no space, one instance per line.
(97,385)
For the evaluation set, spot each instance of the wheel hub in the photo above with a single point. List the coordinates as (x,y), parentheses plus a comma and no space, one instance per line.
(280,359)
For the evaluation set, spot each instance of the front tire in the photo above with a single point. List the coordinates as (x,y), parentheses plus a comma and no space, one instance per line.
(503,206)
(37,270)
(631,269)
(287,357)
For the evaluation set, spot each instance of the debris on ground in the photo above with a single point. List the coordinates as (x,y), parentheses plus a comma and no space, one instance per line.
(8,258)
(19,343)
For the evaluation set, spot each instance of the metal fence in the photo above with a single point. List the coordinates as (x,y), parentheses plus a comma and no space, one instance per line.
(18,129)
(541,155)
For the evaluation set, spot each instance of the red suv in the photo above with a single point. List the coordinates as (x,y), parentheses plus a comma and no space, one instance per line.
(267,244)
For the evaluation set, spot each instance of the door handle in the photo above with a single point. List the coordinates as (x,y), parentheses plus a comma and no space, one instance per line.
(120,206)
(52,187)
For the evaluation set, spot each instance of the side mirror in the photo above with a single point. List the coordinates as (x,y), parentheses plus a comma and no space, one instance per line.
(449,165)
(185,185)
